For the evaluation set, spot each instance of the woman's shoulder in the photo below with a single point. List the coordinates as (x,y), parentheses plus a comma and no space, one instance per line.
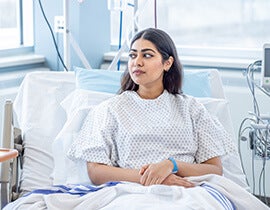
(188,99)
(188,103)
(114,101)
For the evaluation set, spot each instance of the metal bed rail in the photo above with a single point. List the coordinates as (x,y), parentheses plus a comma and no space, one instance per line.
(9,169)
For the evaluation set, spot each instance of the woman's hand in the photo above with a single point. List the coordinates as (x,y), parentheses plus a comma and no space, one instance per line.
(155,173)
(173,179)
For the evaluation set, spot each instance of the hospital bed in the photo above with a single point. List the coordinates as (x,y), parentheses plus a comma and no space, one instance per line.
(45,118)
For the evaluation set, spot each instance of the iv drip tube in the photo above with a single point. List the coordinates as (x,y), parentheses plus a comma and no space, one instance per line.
(129,32)
(120,36)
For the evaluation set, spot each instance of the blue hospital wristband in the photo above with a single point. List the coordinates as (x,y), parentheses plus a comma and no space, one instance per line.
(175,167)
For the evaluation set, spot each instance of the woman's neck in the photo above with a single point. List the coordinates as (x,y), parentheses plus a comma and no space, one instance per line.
(149,94)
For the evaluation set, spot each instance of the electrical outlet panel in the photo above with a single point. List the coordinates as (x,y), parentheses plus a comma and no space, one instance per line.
(59,24)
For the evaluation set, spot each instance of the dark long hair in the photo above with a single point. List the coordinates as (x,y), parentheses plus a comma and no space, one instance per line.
(172,79)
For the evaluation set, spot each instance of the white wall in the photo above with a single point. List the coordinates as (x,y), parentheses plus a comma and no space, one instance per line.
(240,100)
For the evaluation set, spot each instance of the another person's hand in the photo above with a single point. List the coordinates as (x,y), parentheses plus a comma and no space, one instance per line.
(155,173)
(173,179)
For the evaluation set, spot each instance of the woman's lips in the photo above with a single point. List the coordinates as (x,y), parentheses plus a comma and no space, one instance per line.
(138,72)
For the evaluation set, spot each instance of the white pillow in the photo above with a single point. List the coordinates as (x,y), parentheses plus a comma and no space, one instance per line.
(232,168)
(38,114)
(83,98)
(77,105)
(220,109)
(67,171)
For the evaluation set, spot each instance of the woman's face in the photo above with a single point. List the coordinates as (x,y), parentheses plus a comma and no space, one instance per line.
(145,64)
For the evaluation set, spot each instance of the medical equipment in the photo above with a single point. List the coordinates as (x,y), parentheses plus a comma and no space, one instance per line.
(68,39)
(255,129)
(259,123)
(265,80)
(131,28)
(117,5)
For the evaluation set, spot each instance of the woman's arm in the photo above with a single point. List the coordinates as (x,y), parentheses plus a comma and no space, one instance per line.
(158,172)
(211,166)
(101,173)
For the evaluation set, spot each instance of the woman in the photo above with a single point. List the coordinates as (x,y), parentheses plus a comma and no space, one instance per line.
(150,133)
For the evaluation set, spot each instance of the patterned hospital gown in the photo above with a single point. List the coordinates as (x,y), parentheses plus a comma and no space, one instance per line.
(128,131)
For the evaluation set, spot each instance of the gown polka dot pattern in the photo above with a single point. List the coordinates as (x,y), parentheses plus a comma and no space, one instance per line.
(128,131)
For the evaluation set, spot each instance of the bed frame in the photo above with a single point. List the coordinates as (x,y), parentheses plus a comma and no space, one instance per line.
(10,169)
(12,138)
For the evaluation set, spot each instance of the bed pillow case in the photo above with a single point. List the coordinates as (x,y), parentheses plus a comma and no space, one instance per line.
(35,109)
(76,105)
(196,82)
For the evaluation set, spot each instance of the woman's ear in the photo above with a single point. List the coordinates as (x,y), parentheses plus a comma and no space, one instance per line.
(168,63)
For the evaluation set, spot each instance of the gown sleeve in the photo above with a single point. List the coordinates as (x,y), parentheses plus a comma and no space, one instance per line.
(95,141)
(209,132)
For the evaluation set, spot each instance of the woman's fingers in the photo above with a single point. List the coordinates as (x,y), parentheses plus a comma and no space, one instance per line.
(151,181)
(177,180)
(185,183)
(150,178)
(143,169)
(154,173)
(143,178)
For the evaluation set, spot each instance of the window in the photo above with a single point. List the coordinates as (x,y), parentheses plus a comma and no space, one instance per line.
(16,23)
(121,31)
(238,27)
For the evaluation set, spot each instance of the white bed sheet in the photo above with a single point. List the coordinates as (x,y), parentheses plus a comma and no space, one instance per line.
(134,196)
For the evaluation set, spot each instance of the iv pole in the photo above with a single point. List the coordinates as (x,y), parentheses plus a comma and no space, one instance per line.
(66,41)
(69,40)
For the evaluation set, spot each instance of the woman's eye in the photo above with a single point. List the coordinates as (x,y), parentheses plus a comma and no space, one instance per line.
(147,55)
(131,55)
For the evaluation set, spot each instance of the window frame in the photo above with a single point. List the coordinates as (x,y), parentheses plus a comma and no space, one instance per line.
(236,58)
(26,31)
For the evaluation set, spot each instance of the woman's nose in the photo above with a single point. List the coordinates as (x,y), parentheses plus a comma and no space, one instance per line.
(138,61)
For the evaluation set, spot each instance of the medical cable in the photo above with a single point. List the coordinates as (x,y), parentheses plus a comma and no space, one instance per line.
(263,168)
(253,166)
(259,128)
(57,60)
(262,143)
(251,84)
(261,150)
(129,34)
(52,34)
(262,176)
(240,135)
(253,172)
(241,138)
(257,132)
